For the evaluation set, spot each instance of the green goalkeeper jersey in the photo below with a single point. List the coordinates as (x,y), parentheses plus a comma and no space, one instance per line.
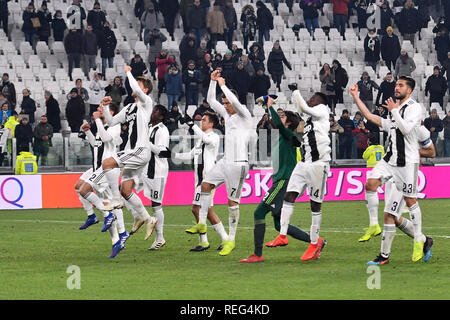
(284,154)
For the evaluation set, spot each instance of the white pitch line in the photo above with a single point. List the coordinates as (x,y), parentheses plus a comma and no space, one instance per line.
(333,230)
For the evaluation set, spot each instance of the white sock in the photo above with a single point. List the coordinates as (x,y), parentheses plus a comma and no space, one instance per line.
(416,218)
(159,214)
(233,220)
(112,175)
(315,226)
(86,205)
(113,232)
(120,222)
(96,201)
(407,227)
(136,204)
(205,202)
(203,238)
(220,229)
(286,214)
(372,203)
(388,237)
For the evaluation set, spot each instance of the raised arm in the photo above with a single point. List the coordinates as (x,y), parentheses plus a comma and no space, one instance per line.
(242,110)
(211,98)
(104,135)
(207,139)
(405,126)
(118,118)
(362,107)
(303,106)
(142,97)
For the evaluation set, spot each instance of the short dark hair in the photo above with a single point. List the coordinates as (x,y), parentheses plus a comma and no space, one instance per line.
(114,107)
(410,82)
(323,97)
(162,110)
(212,117)
(222,95)
(147,83)
(293,119)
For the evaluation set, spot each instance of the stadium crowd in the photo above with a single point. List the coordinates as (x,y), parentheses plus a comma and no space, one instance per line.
(182,80)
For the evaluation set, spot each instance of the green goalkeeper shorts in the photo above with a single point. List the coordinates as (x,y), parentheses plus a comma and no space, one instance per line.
(274,197)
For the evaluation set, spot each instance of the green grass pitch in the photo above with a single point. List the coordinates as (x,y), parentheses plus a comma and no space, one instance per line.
(38,246)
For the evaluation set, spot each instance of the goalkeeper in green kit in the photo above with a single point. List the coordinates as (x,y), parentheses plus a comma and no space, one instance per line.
(284,159)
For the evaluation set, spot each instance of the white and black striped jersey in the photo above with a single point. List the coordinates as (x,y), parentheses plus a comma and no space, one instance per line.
(105,142)
(204,153)
(158,166)
(238,126)
(136,115)
(423,137)
(403,145)
(316,133)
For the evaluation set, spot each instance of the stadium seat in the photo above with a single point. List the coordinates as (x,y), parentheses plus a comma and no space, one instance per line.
(42,50)
(34,62)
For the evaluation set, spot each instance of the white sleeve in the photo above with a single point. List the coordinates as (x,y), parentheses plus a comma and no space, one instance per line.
(142,97)
(90,137)
(161,142)
(185,155)
(104,135)
(114,132)
(413,115)
(423,136)
(385,125)
(118,118)
(211,98)
(304,108)
(206,138)
(242,110)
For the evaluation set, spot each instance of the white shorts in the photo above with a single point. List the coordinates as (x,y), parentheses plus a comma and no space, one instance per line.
(394,203)
(313,176)
(405,177)
(154,189)
(198,191)
(97,180)
(133,159)
(232,174)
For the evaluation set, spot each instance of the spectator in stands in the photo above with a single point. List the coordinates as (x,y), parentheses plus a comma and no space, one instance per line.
(4,114)
(248,66)
(386,91)
(90,49)
(442,45)
(340,13)
(357,118)
(107,44)
(43,134)
(326,78)
(76,8)
(256,55)
(45,18)
(361,13)
(236,53)
(53,111)
(264,21)
(116,90)
(240,81)
(188,53)
(174,85)
(423,7)
(263,129)
(82,92)
(230,16)
(155,39)
(409,21)
(4,17)
(204,107)
(73,44)
(8,89)
(441,24)
(334,125)
(311,13)
(30,23)
(362,136)
(28,105)
(340,81)
(201,51)
(58,26)
(3,99)
(206,67)
(75,111)
(259,83)
(446,69)
(436,85)
(192,80)
(149,21)
(346,138)
(405,64)
(185,5)
(248,19)
(446,125)
(96,18)
(196,19)
(169,10)
(217,62)
(162,63)
(216,24)
(174,117)
(228,65)
(275,64)
(386,17)
(24,135)
(434,125)
(365,87)
(390,48)
(95,98)
(372,49)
